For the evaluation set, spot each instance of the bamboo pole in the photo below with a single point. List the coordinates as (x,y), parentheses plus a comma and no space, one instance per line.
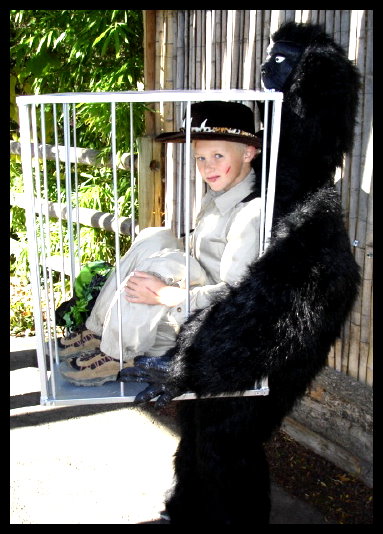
(203,50)
(218,44)
(331,357)
(346,188)
(168,107)
(370,357)
(209,67)
(149,63)
(192,56)
(314,16)
(345,28)
(180,62)
(259,49)
(225,65)
(235,51)
(350,362)
(248,44)
(337,25)
(329,21)
(357,52)
(365,315)
(289,15)
(158,54)
(198,50)
(356,32)
(227,39)
(369,226)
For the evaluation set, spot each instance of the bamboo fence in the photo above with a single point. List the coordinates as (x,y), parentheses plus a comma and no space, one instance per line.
(219,49)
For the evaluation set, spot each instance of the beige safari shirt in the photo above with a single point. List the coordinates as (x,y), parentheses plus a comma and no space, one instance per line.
(225,241)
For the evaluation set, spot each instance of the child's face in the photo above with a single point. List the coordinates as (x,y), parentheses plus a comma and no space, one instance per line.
(223,164)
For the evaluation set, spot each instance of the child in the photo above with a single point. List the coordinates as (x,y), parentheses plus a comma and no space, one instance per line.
(224,242)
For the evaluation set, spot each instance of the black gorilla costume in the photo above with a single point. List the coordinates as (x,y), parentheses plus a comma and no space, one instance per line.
(283,317)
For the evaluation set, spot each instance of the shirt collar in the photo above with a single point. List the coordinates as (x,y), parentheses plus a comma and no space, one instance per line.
(226,200)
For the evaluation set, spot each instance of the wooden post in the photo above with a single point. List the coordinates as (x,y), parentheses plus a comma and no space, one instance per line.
(150,184)
(150,168)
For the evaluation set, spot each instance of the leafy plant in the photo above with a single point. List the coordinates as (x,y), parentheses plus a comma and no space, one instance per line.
(76,51)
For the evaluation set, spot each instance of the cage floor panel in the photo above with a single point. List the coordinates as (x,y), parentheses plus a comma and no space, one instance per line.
(63,392)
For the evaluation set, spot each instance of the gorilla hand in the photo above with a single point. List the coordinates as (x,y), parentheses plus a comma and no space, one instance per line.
(155,371)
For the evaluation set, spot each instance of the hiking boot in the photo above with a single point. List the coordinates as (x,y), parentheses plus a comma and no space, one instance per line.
(92,368)
(78,341)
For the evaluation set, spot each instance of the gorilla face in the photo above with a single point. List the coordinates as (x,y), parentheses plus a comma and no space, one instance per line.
(280,62)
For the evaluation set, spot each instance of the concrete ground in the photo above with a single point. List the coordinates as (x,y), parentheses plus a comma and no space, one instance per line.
(96,464)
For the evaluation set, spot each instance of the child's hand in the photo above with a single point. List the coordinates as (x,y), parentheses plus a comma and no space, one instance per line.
(144,288)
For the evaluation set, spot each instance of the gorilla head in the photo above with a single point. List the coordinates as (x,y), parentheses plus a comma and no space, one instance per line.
(320,96)
(281,60)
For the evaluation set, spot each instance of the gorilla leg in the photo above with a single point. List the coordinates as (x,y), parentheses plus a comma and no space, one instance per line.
(221,467)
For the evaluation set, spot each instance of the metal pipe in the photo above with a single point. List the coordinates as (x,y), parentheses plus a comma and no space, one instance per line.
(275,134)
(132,177)
(68,190)
(26,163)
(187,207)
(117,236)
(194,95)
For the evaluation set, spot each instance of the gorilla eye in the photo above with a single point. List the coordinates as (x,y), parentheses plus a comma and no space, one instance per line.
(279,59)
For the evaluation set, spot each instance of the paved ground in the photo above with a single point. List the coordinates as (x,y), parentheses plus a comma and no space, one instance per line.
(96,464)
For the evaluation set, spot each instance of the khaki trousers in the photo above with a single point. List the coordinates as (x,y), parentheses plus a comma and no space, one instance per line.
(145,329)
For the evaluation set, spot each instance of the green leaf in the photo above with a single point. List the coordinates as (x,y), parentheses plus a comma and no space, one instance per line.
(117,44)
(41,43)
(105,45)
(59,39)
(100,37)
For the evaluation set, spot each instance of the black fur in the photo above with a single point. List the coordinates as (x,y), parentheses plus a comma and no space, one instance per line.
(283,317)
(318,113)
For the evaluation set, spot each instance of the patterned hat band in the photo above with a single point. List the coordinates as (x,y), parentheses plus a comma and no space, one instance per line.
(218,130)
(228,121)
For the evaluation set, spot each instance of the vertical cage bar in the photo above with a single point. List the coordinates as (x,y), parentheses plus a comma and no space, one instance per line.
(264,178)
(180,153)
(68,189)
(132,178)
(275,134)
(58,186)
(78,234)
(40,235)
(117,235)
(187,206)
(26,163)
(49,290)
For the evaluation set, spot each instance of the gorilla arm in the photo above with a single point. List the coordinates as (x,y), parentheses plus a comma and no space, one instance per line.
(280,320)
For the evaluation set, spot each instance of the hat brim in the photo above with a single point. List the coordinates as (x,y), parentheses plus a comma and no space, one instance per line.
(180,137)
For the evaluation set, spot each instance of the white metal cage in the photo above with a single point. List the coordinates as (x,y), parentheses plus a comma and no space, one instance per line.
(46,294)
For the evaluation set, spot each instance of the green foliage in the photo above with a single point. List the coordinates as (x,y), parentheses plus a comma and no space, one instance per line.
(87,286)
(58,51)
(54,51)
(76,50)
